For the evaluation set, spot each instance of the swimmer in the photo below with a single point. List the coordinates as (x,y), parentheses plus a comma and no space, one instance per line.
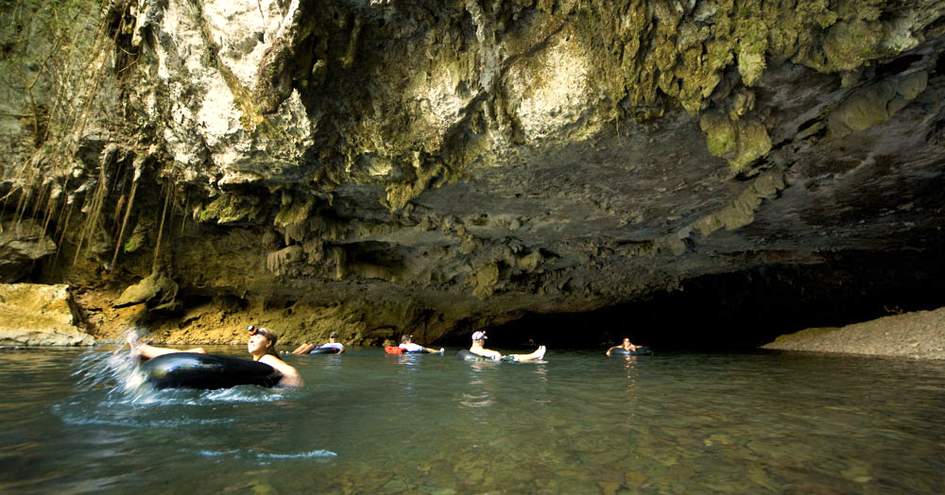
(626,346)
(479,339)
(407,345)
(332,344)
(261,346)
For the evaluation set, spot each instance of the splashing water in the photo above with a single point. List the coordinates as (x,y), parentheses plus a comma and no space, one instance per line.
(118,370)
(119,374)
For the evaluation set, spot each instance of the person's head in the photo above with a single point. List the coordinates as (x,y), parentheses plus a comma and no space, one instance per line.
(261,341)
(626,341)
(332,337)
(406,339)
(479,337)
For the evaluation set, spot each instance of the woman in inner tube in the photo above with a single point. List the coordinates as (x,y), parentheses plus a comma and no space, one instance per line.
(261,346)
(626,346)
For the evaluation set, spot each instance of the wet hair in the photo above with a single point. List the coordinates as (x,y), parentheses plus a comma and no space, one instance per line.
(405,338)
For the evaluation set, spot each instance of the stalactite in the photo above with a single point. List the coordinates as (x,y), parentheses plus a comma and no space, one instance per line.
(118,213)
(52,204)
(95,208)
(21,206)
(124,222)
(44,192)
(183,216)
(157,245)
(63,228)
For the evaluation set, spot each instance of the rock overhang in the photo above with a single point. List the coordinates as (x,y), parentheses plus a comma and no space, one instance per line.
(523,157)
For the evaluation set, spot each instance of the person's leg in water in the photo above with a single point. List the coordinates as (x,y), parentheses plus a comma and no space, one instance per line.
(535,356)
(145,351)
(304,349)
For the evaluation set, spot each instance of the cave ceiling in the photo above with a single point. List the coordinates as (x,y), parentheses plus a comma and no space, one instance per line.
(494,159)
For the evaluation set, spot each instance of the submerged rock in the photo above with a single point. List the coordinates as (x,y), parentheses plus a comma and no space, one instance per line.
(39,315)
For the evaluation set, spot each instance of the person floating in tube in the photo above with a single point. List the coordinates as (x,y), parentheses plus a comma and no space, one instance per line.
(332,345)
(479,339)
(407,345)
(626,346)
(261,346)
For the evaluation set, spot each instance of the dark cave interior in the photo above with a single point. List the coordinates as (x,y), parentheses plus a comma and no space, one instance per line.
(744,310)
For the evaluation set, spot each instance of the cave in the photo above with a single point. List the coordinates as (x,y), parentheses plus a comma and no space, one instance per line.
(738,312)
(716,176)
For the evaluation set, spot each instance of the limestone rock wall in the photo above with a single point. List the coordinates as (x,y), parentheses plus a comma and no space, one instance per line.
(445,165)
(39,315)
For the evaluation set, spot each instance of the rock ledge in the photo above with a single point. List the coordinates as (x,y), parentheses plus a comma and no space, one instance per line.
(39,315)
(918,335)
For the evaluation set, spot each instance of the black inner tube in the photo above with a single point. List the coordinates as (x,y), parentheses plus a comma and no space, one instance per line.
(641,351)
(205,371)
(469,356)
(325,350)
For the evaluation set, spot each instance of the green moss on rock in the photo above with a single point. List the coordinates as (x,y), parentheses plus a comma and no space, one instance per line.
(875,104)
(230,208)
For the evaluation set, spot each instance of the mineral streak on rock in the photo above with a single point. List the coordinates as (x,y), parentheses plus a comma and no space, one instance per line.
(441,165)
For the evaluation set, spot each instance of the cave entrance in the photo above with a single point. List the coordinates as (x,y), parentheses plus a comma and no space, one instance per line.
(743,310)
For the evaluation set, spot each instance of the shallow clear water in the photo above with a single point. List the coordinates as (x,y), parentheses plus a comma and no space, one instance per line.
(367,422)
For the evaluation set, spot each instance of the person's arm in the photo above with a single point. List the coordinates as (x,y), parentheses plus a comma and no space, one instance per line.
(290,376)
(487,353)
(432,350)
(611,350)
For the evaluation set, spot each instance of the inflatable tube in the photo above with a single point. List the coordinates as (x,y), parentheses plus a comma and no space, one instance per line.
(326,350)
(468,356)
(389,349)
(205,371)
(641,351)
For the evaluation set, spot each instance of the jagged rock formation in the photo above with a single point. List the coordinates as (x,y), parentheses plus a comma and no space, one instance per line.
(22,246)
(39,315)
(439,165)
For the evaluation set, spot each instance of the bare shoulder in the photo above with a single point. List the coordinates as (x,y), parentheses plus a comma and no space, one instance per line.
(290,376)
(277,363)
(272,360)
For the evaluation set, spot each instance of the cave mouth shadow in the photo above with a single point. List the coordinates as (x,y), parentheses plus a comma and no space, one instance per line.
(743,310)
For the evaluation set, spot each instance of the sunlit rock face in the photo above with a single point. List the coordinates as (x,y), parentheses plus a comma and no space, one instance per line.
(39,315)
(443,165)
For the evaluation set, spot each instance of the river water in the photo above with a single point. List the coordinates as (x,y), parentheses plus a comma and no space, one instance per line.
(74,422)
